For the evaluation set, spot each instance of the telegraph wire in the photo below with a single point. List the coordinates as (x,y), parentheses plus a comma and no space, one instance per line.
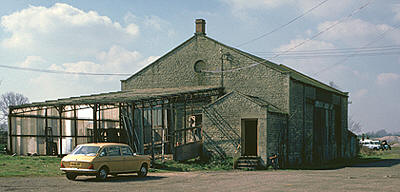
(299,44)
(341,53)
(62,72)
(284,25)
(386,47)
(326,29)
(352,55)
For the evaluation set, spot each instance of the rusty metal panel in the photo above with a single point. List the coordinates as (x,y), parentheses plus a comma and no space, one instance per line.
(188,151)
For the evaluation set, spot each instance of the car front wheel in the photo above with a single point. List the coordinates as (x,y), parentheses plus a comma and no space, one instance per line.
(102,174)
(71,176)
(143,171)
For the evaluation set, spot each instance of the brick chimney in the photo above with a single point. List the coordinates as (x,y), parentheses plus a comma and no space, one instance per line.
(200,27)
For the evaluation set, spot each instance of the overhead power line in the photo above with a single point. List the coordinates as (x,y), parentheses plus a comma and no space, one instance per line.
(386,47)
(284,25)
(340,52)
(62,72)
(326,29)
(299,44)
(354,54)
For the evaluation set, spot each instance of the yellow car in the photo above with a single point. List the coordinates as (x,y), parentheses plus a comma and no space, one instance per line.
(101,159)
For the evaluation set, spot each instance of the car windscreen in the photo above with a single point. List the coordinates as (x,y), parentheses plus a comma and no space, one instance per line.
(86,150)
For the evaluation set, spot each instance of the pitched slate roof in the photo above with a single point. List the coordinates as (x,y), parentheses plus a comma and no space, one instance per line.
(256,100)
(308,80)
(285,69)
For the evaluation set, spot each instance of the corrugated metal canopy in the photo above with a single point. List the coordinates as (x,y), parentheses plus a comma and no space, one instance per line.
(124,96)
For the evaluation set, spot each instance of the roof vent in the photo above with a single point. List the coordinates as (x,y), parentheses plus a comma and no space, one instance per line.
(200,27)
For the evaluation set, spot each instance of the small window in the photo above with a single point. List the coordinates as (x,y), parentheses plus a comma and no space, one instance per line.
(113,151)
(199,66)
(126,151)
(103,152)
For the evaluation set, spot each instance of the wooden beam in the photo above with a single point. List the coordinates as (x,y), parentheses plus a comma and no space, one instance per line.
(152,134)
(172,128)
(19,135)
(120,120)
(162,132)
(95,135)
(184,121)
(75,127)
(46,125)
(60,111)
(133,127)
(64,118)
(10,130)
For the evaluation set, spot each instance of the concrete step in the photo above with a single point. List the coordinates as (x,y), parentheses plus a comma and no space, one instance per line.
(248,162)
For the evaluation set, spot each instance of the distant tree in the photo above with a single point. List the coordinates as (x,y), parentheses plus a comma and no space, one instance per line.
(3,127)
(10,99)
(354,126)
(379,133)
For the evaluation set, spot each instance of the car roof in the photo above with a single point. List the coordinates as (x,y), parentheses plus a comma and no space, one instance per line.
(103,144)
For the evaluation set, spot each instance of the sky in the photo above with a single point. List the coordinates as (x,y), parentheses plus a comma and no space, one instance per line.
(353,43)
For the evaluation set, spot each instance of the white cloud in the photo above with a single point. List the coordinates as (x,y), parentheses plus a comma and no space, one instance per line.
(116,60)
(119,59)
(239,6)
(360,93)
(356,32)
(154,21)
(386,78)
(330,8)
(32,61)
(396,10)
(316,67)
(309,45)
(63,27)
(255,4)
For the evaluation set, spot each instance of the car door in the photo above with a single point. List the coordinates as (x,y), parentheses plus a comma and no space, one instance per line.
(130,160)
(115,159)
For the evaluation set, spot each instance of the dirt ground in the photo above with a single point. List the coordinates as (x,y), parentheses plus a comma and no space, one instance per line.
(378,176)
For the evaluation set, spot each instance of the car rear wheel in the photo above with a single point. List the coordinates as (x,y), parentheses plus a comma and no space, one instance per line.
(71,176)
(102,174)
(143,171)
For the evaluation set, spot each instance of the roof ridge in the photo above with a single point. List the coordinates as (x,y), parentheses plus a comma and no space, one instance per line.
(324,86)
(262,61)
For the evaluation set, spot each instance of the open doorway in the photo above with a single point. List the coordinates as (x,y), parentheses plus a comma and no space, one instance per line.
(249,137)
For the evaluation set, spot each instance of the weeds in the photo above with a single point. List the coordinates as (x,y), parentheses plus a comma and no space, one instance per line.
(193,165)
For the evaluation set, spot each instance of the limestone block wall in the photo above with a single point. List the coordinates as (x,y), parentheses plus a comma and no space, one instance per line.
(296,126)
(277,135)
(304,101)
(233,108)
(190,64)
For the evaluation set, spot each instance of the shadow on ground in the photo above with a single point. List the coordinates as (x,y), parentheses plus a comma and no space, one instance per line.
(121,178)
(379,163)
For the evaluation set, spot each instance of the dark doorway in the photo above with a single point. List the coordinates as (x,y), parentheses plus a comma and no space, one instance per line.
(249,137)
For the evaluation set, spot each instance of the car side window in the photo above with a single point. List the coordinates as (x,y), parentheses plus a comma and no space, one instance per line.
(126,151)
(113,151)
(103,152)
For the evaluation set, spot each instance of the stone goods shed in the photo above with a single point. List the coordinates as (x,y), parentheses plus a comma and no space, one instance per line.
(202,97)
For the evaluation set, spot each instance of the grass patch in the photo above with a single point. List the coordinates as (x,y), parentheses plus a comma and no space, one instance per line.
(2,148)
(368,155)
(29,166)
(193,165)
(49,166)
